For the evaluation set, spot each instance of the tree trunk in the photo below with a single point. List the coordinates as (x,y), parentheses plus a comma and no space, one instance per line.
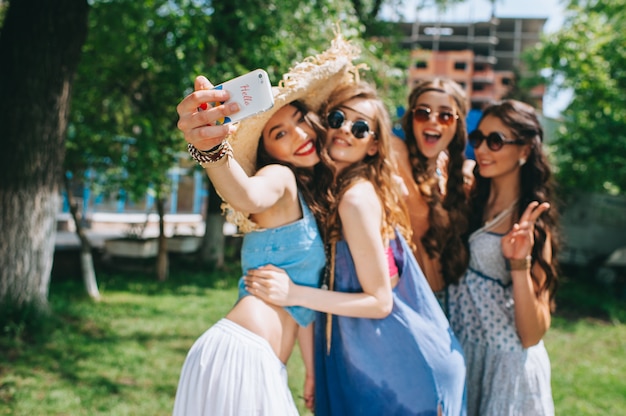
(86,258)
(162,266)
(40,46)
(212,251)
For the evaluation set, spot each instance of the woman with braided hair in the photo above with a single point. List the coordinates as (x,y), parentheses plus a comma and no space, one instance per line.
(431,161)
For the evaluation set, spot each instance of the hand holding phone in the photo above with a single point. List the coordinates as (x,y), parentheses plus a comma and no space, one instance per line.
(253,93)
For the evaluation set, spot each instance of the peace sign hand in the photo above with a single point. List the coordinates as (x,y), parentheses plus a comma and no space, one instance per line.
(518,243)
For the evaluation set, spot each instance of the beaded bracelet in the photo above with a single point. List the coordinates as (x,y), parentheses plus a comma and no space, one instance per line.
(208,158)
(519,264)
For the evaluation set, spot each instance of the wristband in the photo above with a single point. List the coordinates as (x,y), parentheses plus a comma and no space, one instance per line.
(211,150)
(519,264)
(212,156)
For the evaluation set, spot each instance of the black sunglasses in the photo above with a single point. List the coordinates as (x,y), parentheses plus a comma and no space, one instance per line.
(495,140)
(359,128)
(445,118)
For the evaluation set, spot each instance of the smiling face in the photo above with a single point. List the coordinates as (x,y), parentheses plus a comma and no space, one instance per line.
(289,138)
(501,163)
(433,135)
(343,147)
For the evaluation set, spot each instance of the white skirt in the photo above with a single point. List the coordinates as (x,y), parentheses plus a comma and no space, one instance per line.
(231,371)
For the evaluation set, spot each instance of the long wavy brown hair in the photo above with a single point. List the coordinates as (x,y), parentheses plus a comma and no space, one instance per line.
(536,184)
(447,214)
(314,184)
(377,169)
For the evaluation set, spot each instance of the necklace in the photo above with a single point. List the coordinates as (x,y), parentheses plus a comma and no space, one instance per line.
(501,215)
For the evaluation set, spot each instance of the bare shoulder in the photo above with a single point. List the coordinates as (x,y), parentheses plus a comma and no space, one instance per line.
(400,153)
(276,184)
(278,174)
(398,147)
(275,170)
(359,198)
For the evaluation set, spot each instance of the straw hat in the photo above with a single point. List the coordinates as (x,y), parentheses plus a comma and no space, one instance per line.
(310,81)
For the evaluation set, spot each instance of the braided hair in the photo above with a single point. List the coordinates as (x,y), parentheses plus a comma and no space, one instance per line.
(447,216)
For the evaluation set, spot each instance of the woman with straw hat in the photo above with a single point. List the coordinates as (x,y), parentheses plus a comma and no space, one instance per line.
(264,171)
(383,346)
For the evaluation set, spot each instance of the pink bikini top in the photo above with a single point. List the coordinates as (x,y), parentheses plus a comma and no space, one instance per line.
(393,268)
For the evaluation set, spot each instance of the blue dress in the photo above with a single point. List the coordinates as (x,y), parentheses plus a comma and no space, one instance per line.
(296,247)
(408,363)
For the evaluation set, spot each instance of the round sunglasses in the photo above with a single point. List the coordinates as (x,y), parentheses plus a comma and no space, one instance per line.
(495,140)
(423,114)
(360,128)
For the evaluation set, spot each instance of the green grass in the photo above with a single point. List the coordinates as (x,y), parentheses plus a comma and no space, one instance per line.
(122,356)
(587,348)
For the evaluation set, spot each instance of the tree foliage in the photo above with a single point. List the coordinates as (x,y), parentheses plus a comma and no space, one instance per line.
(141,57)
(588,56)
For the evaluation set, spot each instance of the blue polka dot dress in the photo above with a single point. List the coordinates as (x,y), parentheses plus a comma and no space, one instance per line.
(503,378)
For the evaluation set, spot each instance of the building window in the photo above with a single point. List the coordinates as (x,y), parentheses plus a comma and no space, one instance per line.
(507,81)
(460,66)
(421,64)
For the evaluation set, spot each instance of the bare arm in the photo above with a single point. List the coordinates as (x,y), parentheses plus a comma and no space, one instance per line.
(532,307)
(248,194)
(252,194)
(305,342)
(361,212)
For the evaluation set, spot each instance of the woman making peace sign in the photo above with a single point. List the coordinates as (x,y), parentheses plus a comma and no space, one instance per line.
(500,310)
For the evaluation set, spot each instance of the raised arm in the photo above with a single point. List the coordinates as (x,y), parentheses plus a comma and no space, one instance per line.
(532,305)
(251,194)
(247,194)
(361,214)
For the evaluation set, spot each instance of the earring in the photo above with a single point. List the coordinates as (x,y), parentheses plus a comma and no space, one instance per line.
(522,162)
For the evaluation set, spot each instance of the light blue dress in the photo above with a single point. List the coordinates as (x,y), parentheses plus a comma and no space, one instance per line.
(503,378)
(408,363)
(296,247)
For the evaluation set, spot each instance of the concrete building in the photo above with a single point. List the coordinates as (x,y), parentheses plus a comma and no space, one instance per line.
(484,56)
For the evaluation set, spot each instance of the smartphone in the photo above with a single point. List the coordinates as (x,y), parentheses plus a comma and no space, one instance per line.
(253,92)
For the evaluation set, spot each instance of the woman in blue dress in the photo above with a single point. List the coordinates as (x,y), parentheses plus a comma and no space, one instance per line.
(237,367)
(383,345)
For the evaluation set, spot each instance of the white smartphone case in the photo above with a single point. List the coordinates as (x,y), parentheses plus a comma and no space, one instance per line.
(253,92)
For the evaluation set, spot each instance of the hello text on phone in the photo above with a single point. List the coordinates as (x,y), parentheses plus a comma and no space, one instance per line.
(253,93)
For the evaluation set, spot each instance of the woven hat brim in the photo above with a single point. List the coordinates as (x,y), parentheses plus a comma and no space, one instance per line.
(310,81)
